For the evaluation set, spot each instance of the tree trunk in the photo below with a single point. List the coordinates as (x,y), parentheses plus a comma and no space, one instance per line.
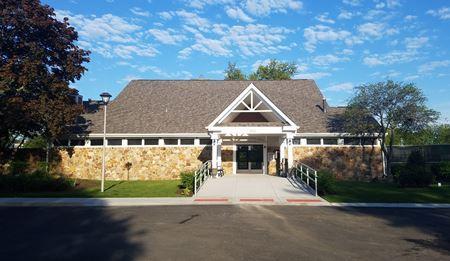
(389,154)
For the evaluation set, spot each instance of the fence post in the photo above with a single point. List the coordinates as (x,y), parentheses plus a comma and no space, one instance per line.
(195,182)
(315,181)
(307,176)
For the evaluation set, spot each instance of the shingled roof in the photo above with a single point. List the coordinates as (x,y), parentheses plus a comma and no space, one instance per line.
(188,106)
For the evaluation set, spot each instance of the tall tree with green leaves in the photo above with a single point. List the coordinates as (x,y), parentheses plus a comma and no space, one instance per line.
(234,73)
(39,59)
(394,106)
(274,70)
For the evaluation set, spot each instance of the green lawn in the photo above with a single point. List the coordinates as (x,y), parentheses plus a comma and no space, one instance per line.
(354,191)
(113,189)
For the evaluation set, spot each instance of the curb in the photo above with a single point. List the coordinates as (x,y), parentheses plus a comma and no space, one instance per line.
(129,202)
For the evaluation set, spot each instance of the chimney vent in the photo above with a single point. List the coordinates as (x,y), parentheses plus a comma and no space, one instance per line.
(324,105)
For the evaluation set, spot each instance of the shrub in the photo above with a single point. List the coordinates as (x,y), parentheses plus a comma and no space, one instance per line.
(415,173)
(38,181)
(18,167)
(326,183)
(443,172)
(187,180)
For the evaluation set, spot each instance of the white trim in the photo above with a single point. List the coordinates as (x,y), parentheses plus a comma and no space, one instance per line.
(238,101)
(148,135)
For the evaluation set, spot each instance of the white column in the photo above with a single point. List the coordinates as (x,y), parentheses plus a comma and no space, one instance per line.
(289,138)
(282,154)
(219,153)
(214,152)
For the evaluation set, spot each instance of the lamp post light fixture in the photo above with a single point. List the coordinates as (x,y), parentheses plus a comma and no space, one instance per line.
(105,99)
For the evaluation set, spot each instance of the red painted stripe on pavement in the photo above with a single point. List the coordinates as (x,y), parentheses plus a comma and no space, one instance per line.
(211,199)
(303,200)
(256,200)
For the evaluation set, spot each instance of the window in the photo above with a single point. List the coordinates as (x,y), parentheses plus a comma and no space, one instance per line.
(97,142)
(77,142)
(205,141)
(187,141)
(134,142)
(351,141)
(313,141)
(368,141)
(60,143)
(151,141)
(330,141)
(114,142)
(297,141)
(170,141)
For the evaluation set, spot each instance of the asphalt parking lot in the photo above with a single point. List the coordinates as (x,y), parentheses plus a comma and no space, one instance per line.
(233,232)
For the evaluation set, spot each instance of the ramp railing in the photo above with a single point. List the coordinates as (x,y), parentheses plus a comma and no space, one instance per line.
(201,175)
(306,175)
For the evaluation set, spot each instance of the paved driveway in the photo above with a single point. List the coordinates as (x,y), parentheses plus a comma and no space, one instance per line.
(232,232)
(248,187)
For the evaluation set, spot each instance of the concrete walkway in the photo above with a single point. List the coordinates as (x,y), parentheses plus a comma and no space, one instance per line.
(242,188)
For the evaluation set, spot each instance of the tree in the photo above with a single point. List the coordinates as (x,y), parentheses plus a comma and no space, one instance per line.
(39,59)
(275,70)
(233,73)
(435,134)
(394,106)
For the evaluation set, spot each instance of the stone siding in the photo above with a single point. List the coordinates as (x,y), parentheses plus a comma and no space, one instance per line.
(360,163)
(147,163)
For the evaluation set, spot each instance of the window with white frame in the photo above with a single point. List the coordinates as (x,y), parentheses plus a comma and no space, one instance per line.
(96,142)
(330,141)
(170,141)
(153,141)
(134,142)
(313,141)
(205,141)
(114,142)
(186,141)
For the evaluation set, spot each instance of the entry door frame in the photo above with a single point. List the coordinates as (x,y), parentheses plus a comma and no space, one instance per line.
(264,165)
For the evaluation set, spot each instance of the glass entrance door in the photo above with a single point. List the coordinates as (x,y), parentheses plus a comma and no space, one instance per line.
(249,157)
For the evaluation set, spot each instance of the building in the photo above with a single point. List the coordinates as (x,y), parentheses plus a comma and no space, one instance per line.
(164,127)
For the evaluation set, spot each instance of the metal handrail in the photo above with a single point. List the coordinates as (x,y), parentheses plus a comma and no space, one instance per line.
(201,175)
(307,176)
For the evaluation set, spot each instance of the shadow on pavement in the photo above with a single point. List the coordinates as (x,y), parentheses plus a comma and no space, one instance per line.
(66,233)
(434,223)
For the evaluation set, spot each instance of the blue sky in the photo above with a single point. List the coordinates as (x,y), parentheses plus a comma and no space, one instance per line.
(339,43)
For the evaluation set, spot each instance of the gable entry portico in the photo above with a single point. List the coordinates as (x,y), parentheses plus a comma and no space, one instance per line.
(249,122)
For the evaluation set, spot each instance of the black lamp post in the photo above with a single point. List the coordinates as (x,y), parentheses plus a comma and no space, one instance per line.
(105,99)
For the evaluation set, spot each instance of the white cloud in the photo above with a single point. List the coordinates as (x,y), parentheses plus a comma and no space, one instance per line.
(128,79)
(166,37)
(324,60)
(265,7)
(205,45)
(324,18)
(108,27)
(154,69)
(431,66)
(238,14)
(393,57)
(140,12)
(199,4)
(321,33)
(345,15)
(193,19)
(346,86)
(393,3)
(442,13)
(372,61)
(371,29)
(314,75)
(415,42)
(411,77)
(127,51)
(380,5)
(258,63)
(409,18)
(165,15)
(352,2)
